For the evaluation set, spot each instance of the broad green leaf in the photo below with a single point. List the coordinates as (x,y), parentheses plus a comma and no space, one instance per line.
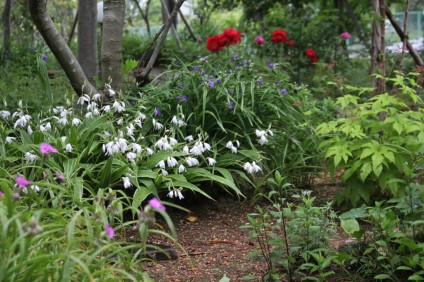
(139,196)
(350,225)
(365,171)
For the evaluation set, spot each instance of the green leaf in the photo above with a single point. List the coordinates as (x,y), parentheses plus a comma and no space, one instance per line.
(350,225)
(365,171)
(106,173)
(139,196)
(383,276)
(224,279)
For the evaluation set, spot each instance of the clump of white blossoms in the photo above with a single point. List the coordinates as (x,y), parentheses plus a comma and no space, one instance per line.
(176,192)
(263,134)
(251,167)
(233,147)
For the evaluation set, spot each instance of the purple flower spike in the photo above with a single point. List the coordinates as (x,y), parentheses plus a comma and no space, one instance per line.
(47,148)
(231,105)
(211,84)
(22,182)
(156,204)
(109,231)
(271,66)
(157,111)
(44,57)
(180,84)
(185,98)
(284,91)
(196,68)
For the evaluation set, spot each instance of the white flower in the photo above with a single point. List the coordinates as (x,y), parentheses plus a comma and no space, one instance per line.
(189,138)
(270,132)
(30,157)
(149,151)
(196,150)
(122,143)
(29,129)
(44,128)
(181,169)
(161,164)
(178,122)
(9,139)
(35,188)
(260,133)
(22,121)
(251,167)
(106,108)
(130,129)
(118,106)
(211,161)
(120,121)
(237,143)
(206,146)
(76,121)
(164,172)
(68,147)
(131,156)
(127,182)
(64,120)
(136,148)
(191,161)
(176,193)
(186,150)
(141,116)
(171,162)
(97,97)
(110,90)
(63,139)
(4,114)
(229,145)
(83,99)
(172,141)
(157,125)
(262,140)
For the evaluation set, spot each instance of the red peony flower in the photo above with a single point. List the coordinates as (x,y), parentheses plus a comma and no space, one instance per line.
(278,36)
(214,43)
(290,43)
(232,36)
(312,55)
(310,52)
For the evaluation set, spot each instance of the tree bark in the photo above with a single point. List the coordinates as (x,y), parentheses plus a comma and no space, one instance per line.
(167,8)
(60,49)
(113,27)
(87,37)
(377,47)
(6,31)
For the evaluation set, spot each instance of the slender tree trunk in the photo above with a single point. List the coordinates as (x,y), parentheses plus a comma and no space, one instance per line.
(405,39)
(355,20)
(113,27)
(377,47)
(6,31)
(60,49)
(167,8)
(87,37)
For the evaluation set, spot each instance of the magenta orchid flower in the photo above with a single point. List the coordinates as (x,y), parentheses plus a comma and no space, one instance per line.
(47,148)
(109,231)
(22,182)
(156,204)
(345,35)
(259,40)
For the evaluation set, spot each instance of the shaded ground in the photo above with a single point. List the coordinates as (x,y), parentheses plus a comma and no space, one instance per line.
(215,243)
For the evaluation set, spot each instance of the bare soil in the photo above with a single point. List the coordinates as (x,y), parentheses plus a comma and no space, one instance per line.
(215,245)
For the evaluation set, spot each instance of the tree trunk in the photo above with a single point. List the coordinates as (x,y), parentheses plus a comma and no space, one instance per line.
(144,15)
(113,27)
(167,8)
(6,31)
(60,49)
(87,37)
(377,47)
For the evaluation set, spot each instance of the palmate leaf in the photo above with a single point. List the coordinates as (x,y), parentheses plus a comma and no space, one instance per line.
(365,171)
(377,163)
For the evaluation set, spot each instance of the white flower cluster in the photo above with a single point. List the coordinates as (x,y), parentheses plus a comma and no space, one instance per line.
(262,134)
(231,146)
(251,167)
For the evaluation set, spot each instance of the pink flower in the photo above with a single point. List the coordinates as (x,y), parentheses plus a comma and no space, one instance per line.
(47,148)
(22,182)
(259,40)
(1,194)
(109,231)
(59,176)
(156,204)
(345,35)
